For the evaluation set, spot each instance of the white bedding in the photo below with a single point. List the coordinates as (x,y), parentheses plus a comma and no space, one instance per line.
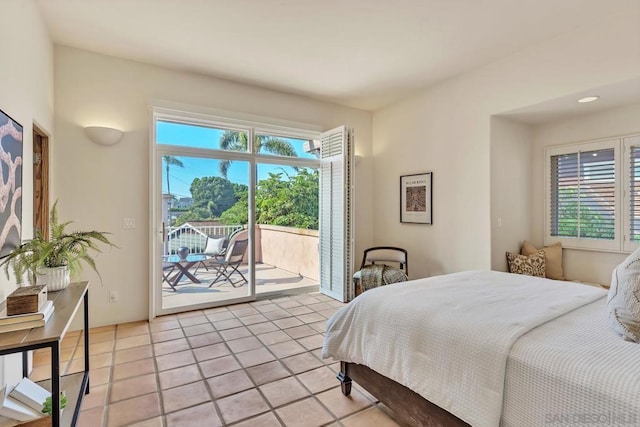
(574,370)
(448,338)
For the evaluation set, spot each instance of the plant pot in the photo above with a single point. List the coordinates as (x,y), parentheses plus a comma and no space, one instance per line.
(56,278)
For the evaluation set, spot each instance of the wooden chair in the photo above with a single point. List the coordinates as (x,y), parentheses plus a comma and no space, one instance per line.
(387,255)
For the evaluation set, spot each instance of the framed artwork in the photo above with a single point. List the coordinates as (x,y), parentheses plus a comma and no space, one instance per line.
(416,198)
(10,184)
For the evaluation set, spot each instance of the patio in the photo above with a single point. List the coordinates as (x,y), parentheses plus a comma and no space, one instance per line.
(269,278)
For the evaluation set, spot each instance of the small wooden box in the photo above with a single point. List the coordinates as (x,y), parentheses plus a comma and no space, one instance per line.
(28,299)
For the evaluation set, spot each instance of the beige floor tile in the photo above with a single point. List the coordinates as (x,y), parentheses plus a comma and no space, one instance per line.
(168,335)
(319,379)
(273,337)
(136,353)
(175,360)
(266,307)
(319,326)
(108,336)
(204,339)
(278,315)
(173,346)
(242,405)
(235,333)
(341,405)
(300,331)
(288,303)
(192,313)
(179,376)
(368,418)
(255,357)
(328,312)
(184,396)
(220,316)
(287,348)
(307,300)
(200,329)
(93,417)
(193,320)
(261,328)
(130,342)
(163,325)
(132,329)
(264,420)
(283,391)
(244,311)
(287,322)
(302,362)
(132,369)
(94,330)
(305,413)
(244,344)
(152,422)
(310,318)
(133,410)
(96,398)
(198,416)
(100,376)
(252,320)
(267,372)
(313,342)
(219,366)
(319,306)
(133,387)
(296,311)
(227,324)
(233,382)
(211,352)
(101,347)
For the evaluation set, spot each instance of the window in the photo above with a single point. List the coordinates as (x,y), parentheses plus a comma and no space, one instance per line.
(593,195)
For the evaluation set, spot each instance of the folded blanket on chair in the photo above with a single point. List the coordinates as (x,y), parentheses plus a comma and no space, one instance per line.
(374,275)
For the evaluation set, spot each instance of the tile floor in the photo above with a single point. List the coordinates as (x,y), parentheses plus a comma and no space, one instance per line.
(247,365)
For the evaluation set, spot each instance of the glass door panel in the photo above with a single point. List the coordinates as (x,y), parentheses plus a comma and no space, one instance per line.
(286,244)
(205,258)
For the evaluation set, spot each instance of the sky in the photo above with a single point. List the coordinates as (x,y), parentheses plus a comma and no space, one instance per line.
(184,135)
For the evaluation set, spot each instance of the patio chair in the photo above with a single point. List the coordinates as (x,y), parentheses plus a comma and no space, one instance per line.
(167,269)
(226,267)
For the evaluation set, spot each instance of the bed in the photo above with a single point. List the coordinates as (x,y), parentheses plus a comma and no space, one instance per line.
(486,349)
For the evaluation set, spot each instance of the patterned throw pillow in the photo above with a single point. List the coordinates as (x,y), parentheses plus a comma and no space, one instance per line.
(623,301)
(530,265)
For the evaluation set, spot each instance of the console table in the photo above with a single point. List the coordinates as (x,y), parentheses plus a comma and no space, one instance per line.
(66,303)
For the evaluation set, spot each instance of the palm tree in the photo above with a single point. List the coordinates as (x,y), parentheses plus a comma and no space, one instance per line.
(171,161)
(237,141)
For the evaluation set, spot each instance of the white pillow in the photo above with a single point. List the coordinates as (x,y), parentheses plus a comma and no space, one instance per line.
(623,301)
(214,246)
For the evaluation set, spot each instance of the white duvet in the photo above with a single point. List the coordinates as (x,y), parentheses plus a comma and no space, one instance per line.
(448,337)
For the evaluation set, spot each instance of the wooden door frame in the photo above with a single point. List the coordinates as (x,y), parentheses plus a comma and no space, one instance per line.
(40,181)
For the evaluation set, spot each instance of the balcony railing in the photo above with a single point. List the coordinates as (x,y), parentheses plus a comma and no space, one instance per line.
(194,237)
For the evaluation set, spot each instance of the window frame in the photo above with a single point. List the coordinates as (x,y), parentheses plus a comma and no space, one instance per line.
(627,142)
(615,245)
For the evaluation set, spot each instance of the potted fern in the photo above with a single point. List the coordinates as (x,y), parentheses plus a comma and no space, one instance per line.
(52,262)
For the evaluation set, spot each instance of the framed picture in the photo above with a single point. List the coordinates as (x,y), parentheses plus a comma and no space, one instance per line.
(416,198)
(10,184)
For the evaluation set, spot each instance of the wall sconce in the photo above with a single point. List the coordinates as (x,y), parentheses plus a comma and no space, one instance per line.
(103,135)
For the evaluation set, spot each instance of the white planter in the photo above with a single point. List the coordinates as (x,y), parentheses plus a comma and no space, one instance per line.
(56,278)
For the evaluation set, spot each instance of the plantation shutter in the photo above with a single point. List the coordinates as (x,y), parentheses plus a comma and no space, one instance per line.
(583,195)
(634,189)
(336,215)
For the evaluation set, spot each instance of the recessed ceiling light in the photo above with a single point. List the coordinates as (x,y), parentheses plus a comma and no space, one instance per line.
(587,99)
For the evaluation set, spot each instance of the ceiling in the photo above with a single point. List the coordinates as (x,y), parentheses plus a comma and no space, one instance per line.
(361,53)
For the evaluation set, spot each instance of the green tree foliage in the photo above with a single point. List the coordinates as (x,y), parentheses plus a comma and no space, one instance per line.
(237,141)
(287,201)
(593,224)
(213,193)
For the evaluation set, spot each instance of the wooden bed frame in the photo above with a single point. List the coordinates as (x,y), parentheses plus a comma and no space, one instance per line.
(409,407)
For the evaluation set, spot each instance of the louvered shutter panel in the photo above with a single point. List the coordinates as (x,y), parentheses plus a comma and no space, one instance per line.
(583,195)
(336,234)
(634,190)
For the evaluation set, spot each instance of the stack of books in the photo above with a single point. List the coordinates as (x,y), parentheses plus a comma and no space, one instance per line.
(24,402)
(25,321)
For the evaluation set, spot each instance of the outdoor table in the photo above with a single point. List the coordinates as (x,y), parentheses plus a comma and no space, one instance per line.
(183,265)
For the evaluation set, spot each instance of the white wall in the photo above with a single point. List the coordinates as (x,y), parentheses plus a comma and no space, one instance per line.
(592,266)
(446,129)
(98,186)
(510,188)
(27,96)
